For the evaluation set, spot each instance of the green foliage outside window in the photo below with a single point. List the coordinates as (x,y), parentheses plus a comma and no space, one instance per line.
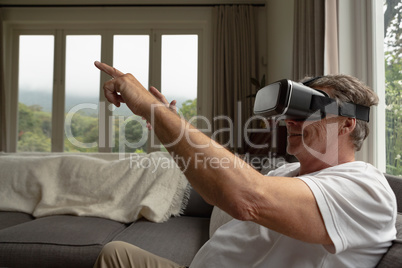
(393,85)
(34,126)
(393,114)
(188,110)
(34,129)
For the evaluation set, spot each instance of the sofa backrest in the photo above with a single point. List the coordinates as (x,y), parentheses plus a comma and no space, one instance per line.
(197,207)
(393,257)
(396,185)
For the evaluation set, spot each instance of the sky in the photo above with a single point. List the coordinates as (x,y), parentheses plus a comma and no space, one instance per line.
(131,54)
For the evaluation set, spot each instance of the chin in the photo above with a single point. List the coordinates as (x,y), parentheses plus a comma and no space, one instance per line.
(292,150)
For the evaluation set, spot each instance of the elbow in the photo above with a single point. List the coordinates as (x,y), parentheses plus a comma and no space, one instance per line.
(245,203)
(243,210)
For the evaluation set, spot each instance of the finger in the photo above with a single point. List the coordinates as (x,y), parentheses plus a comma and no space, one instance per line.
(111,94)
(148,125)
(113,72)
(172,105)
(158,95)
(112,98)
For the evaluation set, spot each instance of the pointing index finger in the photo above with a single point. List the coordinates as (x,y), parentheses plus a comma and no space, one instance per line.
(113,72)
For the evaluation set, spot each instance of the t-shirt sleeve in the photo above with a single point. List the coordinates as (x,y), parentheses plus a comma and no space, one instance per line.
(358,207)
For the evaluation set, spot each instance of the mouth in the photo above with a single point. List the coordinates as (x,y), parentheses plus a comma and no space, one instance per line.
(294,134)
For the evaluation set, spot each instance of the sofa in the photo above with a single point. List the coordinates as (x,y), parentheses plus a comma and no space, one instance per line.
(66,240)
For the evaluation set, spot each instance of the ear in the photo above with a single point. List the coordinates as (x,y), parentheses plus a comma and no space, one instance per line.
(347,125)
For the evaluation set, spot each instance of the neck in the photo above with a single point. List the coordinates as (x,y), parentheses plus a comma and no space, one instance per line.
(312,164)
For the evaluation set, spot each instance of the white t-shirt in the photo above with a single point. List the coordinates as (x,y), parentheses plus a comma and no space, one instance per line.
(359,211)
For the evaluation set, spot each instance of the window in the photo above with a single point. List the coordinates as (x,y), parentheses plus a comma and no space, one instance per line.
(60,88)
(82,83)
(130,54)
(179,72)
(35,86)
(393,85)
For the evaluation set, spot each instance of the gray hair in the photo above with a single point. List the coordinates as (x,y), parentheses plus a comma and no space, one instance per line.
(347,88)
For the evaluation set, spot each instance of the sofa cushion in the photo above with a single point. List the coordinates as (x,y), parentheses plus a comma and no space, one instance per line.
(393,257)
(178,239)
(8,219)
(48,256)
(56,241)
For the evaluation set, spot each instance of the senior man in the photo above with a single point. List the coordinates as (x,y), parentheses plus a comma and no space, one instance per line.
(326,211)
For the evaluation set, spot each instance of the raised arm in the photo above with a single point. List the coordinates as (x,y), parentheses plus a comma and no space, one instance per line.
(283,204)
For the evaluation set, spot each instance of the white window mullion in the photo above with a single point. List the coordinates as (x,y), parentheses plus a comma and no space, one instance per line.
(378,71)
(106,126)
(155,73)
(155,54)
(58,92)
(14,95)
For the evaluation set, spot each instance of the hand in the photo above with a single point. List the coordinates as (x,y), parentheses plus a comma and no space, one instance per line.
(127,89)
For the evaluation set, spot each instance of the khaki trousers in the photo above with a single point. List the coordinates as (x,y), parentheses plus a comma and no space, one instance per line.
(125,255)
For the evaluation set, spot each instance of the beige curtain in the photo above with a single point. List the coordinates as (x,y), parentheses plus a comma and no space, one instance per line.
(3,142)
(309,35)
(331,54)
(234,61)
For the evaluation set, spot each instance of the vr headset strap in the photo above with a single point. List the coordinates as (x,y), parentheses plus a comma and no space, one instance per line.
(362,112)
(348,109)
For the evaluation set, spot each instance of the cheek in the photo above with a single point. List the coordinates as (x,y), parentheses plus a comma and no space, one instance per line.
(315,131)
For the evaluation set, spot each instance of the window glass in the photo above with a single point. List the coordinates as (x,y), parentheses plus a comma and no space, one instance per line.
(179,72)
(82,83)
(35,86)
(130,55)
(393,86)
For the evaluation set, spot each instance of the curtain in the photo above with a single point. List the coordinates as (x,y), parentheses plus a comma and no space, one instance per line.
(3,142)
(234,61)
(331,54)
(309,35)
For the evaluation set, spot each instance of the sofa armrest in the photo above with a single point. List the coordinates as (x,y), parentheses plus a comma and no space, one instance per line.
(393,258)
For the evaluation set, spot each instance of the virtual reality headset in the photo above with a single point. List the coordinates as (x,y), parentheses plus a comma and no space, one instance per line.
(286,99)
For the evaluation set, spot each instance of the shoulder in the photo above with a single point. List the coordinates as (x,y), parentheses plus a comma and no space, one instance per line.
(286,170)
(351,178)
(354,167)
(361,174)
(356,203)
